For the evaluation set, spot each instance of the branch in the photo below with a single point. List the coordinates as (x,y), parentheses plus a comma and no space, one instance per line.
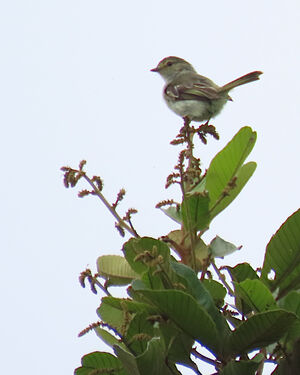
(109,207)
(222,278)
(203,358)
(92,279)
(261,365)
(71,178)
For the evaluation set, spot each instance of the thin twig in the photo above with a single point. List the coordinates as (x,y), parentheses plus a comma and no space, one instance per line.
(97,282)
(109,207)
(222,278)
(261,365)
(203,358)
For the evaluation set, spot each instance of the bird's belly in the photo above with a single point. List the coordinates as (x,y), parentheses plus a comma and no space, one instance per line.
(197,110)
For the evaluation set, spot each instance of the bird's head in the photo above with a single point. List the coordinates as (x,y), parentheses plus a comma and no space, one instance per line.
(170,66)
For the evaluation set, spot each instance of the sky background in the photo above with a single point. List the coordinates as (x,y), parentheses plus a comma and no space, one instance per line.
(75,84)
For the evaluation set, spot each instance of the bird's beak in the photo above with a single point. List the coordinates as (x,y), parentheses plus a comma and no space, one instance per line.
(154,70)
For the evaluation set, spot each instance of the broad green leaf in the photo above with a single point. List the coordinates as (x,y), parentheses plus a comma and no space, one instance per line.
(220,248)
(153,360)
(101,361)
(200,188)
(216,290)
(153,280)
(178,344)
(128,360)
(107,337)
(116,311)
(187,314)
(241,272)
(195,211)
(242,367)
(201,294)
(111,315)
(292,303)
(136,250)
(256,295)
(139,333)
(242,177)
(116,269)
(258,331)
(113,309)
(173,213)
(283,256)
(227,163)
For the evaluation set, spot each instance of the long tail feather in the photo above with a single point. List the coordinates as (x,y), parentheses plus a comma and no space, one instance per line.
(250,77)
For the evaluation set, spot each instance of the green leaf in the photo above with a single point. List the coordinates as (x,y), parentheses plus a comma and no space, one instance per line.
(101,361)
(139,333)
(242,177)
(241,272)
(128,360)
(178,344)
(112,310)
(283,256)
(195,211)
(200,188)
(220,248)
(187,314)
(136,247)
(258,331)
(242,367)
(107,337)
(216,290)
(201,294)
(226,165)
(173,213)
(292,303)
(153,280)
(256,295)
(111,315)
(116,269)
(153,360)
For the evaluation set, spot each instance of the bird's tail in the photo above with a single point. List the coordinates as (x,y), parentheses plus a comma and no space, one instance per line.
(253,76)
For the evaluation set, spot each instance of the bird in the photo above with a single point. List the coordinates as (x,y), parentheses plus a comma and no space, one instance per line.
(192,96)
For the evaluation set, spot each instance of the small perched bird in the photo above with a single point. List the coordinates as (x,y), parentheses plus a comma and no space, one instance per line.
(191,95)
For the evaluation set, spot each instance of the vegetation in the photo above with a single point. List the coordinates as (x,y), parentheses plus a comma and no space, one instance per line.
(179,301)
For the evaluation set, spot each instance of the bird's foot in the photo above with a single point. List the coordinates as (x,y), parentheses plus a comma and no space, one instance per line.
(187,121)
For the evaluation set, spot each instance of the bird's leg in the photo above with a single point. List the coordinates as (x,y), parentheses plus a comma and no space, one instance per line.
(187,121)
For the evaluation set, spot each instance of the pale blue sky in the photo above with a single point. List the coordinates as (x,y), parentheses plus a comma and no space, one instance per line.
(75,83)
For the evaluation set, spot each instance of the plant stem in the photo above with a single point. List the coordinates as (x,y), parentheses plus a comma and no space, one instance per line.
(204,358)
(261,365)
(101,287)
(120,221)
(189,135)
(222,278)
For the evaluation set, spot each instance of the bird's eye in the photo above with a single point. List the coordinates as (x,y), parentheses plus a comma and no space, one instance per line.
(169,63)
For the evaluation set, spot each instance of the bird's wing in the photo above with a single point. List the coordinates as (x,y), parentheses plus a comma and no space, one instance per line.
(197,87)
